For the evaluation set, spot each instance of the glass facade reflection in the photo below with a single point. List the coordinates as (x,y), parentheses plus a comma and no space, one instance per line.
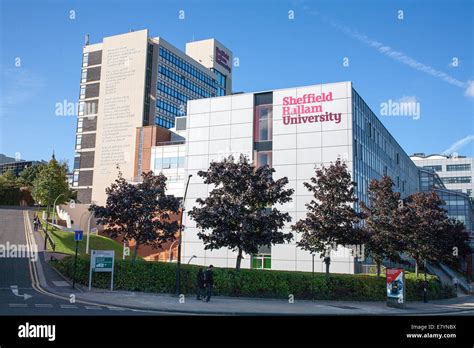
(457,204)
(376,153)
(178,82)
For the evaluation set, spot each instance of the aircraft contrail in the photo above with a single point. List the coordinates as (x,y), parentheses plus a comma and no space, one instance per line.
(394,54)
(458,145)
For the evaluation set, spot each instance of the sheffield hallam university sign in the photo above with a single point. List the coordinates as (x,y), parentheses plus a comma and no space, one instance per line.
(308,109)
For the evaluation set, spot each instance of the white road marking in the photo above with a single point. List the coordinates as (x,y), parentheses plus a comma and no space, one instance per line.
(14,289)
(93,307)
(17,305)
(43,305)
(116,308)
(68,306)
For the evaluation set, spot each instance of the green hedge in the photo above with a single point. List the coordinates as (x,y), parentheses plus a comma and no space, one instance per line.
(160,277)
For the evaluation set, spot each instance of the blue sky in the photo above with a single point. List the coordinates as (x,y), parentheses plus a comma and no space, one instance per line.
(389,59)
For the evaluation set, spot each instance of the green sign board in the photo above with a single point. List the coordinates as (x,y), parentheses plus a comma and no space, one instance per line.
(102,261)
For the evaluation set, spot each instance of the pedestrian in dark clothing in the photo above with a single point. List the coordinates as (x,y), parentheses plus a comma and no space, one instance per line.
(200,284)
(209,279)
(35,223)
(455,283)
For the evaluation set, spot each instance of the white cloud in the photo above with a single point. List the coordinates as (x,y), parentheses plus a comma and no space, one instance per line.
(19,85)
(458,145)
(469,92)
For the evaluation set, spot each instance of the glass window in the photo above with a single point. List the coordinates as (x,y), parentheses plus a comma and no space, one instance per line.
(78,142)
(80,123)
(436,168)
(262,261)
(85,59)
(264,158)
(75,178)
(458,167)
(81,107)
(263,122)
(457,180)
(77,160)
(84,75)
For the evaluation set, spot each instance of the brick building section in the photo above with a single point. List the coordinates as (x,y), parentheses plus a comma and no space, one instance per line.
(151,254)
(152,135)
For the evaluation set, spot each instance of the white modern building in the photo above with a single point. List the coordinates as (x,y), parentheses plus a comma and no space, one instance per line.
(456,172)
(293,130)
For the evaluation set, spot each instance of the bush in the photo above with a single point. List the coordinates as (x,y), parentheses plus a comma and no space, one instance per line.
(160,277)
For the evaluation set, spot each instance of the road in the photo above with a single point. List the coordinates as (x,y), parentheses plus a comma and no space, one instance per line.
(20,290)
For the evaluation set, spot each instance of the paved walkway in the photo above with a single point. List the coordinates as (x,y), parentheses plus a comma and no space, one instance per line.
(258,306)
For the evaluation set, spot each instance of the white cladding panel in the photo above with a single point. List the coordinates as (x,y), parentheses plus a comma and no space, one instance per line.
(224,126)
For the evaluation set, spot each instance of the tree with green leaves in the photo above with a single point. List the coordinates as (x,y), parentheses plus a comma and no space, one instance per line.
(50,183)
(10,193)
(381,228)
(140,212)
(240,212)
(9,180)
(28,175)
(331,219)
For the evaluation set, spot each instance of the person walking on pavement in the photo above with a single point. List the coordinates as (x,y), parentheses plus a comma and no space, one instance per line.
(455,283)
(200,284)
(35,223)
(209,279)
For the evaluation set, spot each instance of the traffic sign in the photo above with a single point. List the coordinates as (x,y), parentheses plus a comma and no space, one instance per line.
(77,238)
(78,235)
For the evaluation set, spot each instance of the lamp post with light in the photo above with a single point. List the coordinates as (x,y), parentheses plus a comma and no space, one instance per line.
(180,232)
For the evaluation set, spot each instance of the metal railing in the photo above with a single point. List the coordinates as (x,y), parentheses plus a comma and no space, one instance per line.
(47,236)
(369,268)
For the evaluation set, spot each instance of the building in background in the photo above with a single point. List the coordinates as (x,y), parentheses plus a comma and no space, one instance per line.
(16,167)
(292,130)
(457,204)
(130,81)
(163,151)
(456,172)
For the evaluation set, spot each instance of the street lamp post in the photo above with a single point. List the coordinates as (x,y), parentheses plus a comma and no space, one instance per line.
(169,252)
(88,232)
(80,220)
(46,222)
(54,208)
(192,257)
(180,232)
(312,279)
(425,289)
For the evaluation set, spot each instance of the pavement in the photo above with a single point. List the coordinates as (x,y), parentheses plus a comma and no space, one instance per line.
(52,293)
